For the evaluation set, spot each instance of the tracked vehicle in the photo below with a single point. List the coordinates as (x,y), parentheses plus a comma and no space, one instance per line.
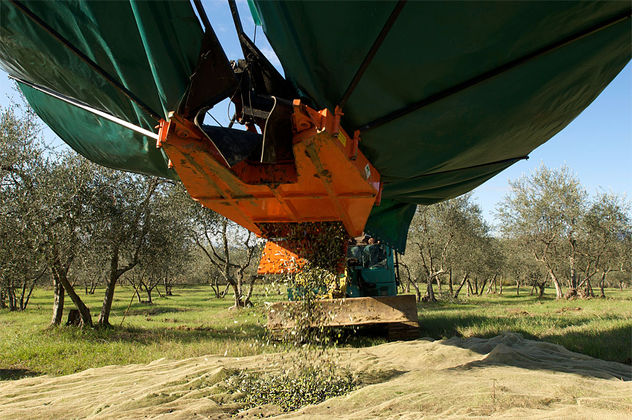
(363,293)
(382,106)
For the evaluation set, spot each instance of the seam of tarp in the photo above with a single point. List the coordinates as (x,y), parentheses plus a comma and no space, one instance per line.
(494,72)
(372,51)
(130,95)
(88,108)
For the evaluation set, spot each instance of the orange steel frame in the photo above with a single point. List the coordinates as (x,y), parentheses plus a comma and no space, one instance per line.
(330,179)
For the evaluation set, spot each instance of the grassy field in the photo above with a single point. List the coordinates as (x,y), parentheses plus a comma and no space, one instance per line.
(192,323)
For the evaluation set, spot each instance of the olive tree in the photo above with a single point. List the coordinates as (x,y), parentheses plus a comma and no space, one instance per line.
(603,234)
(444,236)
(65,203)
(229,249)
(123,207)
(21,156)
(167,248)
(543,212)
(46,206)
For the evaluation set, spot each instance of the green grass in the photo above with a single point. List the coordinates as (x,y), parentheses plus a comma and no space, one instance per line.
(597,327)
(192,323)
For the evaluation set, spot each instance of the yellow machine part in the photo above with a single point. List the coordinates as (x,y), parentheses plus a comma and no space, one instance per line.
(397,313)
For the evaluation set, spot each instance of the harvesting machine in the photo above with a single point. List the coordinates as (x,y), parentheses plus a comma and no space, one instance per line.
(383,106)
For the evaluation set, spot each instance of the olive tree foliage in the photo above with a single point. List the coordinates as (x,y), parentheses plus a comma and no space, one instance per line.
(46,203)
(604,238)
(166,251)
(543,212)
(229,249)
(522,268)
(123,208)
(21,156)
(66,206)
(448,237)
(574,238)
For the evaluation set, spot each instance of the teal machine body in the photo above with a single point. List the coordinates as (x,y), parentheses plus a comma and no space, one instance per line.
(371,271)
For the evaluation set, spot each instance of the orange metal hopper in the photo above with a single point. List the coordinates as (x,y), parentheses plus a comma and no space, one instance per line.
(330,179)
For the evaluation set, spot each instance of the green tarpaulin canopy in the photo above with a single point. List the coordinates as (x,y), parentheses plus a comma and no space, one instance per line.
(475,86)
(151,48)
(457,138)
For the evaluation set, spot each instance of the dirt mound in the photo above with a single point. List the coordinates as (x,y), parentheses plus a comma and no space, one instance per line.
(505,376)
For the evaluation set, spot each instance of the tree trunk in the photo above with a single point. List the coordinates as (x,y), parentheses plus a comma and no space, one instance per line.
(500,287)
(430,296)
(86,317)
(238,302)
(167,286)
(251,287)
(450,286)
(58,302)
(602,285)
(541,287)
(158,290)
(517,287)
(114,275)
(3,303)
(28,296)
(411,282)
(571,263)
(456,294)
(93,286)
(589,290)
(482,287)
(106,307)
(215,286)
(469,288)
(11,296)
(556,282)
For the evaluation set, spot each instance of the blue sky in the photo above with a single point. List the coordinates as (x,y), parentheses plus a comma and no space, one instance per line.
(596,146)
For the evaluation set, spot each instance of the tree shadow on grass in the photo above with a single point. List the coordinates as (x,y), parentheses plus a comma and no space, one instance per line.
(473,302)
(505,342)
(182,334)
(155,310)
(511,349)
(449,325)
(12,374)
